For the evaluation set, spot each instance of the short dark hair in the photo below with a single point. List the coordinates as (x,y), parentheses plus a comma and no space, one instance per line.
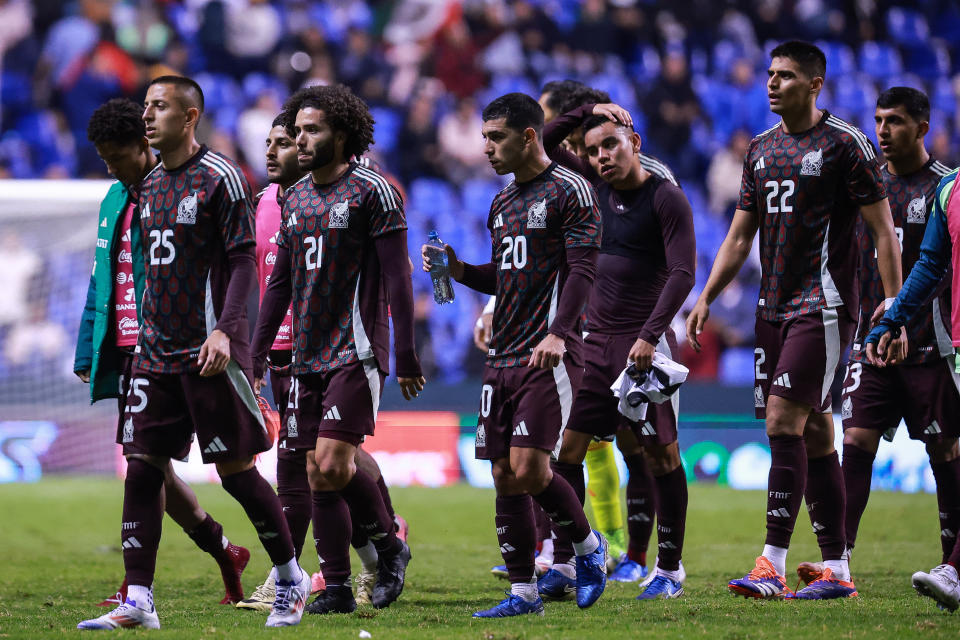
(343,110)
(811,59)
(593,122)
(914,101)
(518,109)
(283,120)
(117,121)
(586,95)
(187,86)
(559,91)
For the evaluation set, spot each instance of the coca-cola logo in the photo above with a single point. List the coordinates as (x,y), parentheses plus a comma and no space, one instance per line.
(125,256)
(271,259)
(128,325)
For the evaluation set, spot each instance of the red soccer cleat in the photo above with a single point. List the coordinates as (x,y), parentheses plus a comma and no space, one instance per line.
(317,583)
(231,570)
(403,529)
(116,599)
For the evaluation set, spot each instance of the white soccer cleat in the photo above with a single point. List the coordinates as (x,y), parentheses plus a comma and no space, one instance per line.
(941,584)
(365,581)
(262,598)
(127,616)
(290,601)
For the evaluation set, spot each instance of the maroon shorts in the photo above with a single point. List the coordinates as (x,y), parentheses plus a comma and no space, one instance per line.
(797,359)
(595,407)
(164,410)
(340,404)
(524,407)
(925,396)
(280,386)
(124,368)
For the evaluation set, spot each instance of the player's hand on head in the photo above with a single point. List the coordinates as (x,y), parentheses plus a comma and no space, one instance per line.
(614,112)
(411,387)
(548,353)
(695,321)
(642,353)
(83,375)
(214,354)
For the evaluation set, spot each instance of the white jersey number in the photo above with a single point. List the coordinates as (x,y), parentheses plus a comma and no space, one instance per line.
(775,186)
(514,253)
(162,250)
(314,252)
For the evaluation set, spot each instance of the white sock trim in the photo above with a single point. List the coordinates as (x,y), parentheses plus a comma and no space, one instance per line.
(587,546)
(777,557)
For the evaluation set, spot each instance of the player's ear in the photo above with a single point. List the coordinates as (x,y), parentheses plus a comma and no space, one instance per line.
(193,117)
(144,145)
(529,136)
(816,85)
(636,140)
(923,128)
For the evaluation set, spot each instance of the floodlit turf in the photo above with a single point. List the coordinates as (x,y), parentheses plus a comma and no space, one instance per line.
(60,555)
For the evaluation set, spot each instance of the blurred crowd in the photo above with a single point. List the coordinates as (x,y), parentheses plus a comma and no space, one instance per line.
(692,73)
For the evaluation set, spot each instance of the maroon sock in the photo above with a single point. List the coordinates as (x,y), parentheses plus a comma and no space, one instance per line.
(370,514)
(516,535)
(785,485)
(641,507)
(262,506)
(293,489)
(385,494)
(208,535)
(857,473)
(560,502)
(671,517)
(947,476)
(573,474)
(331,528)
(826,503)
(544,526)
(142,521)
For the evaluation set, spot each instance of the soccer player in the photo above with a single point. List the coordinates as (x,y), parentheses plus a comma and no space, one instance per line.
(341,254)
(938,255)
(192,369)
(545,229)
(647,263)
(109,325)
(874,398)
(803,182)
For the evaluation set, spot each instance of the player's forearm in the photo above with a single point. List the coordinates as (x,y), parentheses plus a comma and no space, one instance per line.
(557,130)
(243,277)
(395,266)
(582,262)
(888,262)
(674,293)
(480,277)
(273,307)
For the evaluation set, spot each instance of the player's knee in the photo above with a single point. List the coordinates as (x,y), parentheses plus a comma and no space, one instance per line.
(663,460)
(330,473)
(157,462)
(865,439)
(225,469)
(532,478)
(946,451)
(504,479)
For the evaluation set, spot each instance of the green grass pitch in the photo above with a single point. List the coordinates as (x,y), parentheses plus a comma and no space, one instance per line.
(60,554)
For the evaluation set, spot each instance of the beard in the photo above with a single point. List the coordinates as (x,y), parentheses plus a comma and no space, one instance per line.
(322,156)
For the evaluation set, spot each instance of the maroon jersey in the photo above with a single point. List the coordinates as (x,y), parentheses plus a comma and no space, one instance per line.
(531,225)
(806,189)
(339,306)
(191,217)
(911,199)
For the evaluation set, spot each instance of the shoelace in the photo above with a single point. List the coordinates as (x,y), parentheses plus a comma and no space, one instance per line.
(262,592)
(659,583)
(283,598)
(759,573)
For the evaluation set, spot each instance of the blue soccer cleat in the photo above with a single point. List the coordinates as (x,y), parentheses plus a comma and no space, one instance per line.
(629,571)
(762,582)
(500,571)
(662,587)
(592,574)
(512,606)
(827,587)
(556,586)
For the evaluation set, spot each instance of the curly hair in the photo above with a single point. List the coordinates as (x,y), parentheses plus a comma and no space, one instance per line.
(117,121)
(343,110)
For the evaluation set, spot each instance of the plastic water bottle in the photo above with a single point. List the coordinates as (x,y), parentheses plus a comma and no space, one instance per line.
(440,270)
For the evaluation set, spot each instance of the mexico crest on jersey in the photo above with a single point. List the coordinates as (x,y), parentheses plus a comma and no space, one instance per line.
(846,409)
(481,440)
(917,210)
(292,430)
(812,163)
(758,402)
(187,210)
(339,216)
(537,215)
(128,430)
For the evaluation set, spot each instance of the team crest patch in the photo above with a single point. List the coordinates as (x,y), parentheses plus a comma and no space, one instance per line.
(812,163)
(292,430)
(537,215)
(481,436)
(128,430)
(339,216)
(187,210)
(917,210)
(758,402)
(846,409)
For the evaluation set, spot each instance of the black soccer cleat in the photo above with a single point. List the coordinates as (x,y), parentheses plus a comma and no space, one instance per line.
(390,574)
(333,600)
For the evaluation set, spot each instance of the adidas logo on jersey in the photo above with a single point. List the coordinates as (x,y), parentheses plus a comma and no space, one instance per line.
(216,446)
(103,223)
(812,163)
(126,235)
(481,439)
(332,414)
(292,429)
(846,409)
(917,210)
(758,398)
(760,164)
(537,215)
(933,429)
(779,513)
(187,210)
(648,429)
(783,381)
(339,216)
(498,221)
(521,429)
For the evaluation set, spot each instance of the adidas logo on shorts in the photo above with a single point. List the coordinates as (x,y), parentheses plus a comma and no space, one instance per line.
(783,381)
(216,446)
(521,429)
(332,414)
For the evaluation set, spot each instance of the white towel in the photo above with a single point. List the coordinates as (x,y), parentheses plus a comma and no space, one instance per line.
(636,389)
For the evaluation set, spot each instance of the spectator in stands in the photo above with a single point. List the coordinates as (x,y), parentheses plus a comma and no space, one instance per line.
(418,140)
(723,176)
(456,61)
(36,339)
(460,146)
(671,108)
(253,31)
